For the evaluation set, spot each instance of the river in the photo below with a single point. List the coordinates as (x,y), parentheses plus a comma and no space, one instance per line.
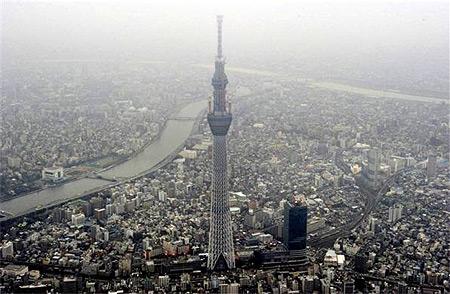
(172,137)
(333,86)
(376,93)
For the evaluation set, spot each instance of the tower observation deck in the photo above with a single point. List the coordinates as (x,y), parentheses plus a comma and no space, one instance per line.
(220,250)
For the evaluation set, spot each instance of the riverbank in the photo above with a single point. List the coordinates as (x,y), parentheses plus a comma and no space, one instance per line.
(87,175)
(178,109)
(335,85)
(153,157)
(376,93)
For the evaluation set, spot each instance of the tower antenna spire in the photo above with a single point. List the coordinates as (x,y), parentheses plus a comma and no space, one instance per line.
(219,35)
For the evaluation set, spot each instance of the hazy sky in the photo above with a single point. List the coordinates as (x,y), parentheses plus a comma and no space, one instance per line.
(255,32)
(139,26)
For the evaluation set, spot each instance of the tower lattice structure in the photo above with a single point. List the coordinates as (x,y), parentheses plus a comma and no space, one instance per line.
(220,250)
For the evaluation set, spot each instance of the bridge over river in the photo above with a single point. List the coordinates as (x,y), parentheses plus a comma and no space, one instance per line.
(153,156)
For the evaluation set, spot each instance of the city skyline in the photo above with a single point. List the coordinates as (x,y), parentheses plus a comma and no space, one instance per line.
(328,174)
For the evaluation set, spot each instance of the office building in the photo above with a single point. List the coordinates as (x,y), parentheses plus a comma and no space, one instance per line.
(372,168)
(395,213)
(295,224)
(431,166)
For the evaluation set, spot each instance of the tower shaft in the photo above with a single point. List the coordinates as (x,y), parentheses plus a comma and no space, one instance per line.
(220,250)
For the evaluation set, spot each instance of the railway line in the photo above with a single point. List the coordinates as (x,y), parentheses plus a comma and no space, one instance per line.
(372,199)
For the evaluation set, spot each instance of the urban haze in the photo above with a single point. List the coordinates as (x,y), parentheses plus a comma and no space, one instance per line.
(224,146)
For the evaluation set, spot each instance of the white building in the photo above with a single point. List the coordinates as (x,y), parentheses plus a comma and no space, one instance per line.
(188,154)
(373,224)
(53,173)
(163,281)
(162,196)
(7,250)
(78,219)
(330,258)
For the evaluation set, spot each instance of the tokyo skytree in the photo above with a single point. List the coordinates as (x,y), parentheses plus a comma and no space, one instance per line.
(220,250)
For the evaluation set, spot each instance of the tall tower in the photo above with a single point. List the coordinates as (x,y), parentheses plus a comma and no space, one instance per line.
(220,250)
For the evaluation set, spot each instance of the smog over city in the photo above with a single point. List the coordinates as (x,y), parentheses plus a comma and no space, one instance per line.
(224,146)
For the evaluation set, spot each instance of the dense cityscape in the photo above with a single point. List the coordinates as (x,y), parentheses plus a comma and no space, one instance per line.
(283,185)
(81,117)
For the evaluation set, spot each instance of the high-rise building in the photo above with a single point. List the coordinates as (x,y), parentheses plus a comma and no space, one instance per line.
(7,249)
(220,250)
(373,166)
(402,288)
(163,281)
(78,219)
(361,259)
(373,225)
(395,213)
(431,166)
(100,213)
(348,287)
(325,286)
(295,224)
